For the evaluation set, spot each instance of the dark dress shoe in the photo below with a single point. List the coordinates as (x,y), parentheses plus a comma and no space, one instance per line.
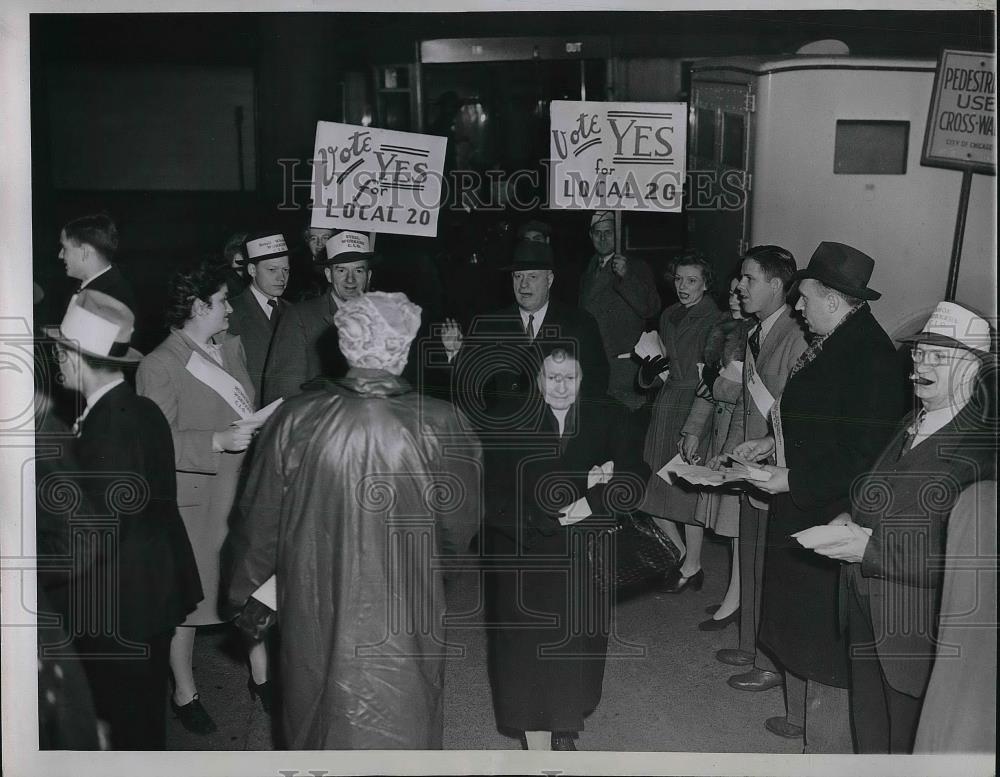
(783,728)
(734,657)
(563,741)
(711,609)
(718,625)
(194,717)
(675,582)
(261,691)
(755,680)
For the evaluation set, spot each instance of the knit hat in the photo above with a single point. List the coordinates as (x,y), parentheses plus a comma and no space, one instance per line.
(375,330)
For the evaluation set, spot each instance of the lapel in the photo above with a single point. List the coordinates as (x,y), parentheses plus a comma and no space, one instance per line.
(777,335)
(100,408)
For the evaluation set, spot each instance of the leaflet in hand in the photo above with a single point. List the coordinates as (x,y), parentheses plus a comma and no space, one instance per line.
(601,474)
(699,475)
(258,418)
(580,509)
(649,344)
(825,534)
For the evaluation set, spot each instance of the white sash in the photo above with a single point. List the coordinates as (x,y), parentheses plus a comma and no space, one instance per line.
(779,437)
(762,398)
(221,382)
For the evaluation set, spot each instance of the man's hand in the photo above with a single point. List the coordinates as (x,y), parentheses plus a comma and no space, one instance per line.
(755,450)
(716,461)
(778,484)
(451,337)
(619,264)
(851,550)
(687,445)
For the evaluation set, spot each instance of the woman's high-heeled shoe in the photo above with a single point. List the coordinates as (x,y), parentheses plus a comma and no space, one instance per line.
(261,691)
(193,716)
(718,624)
(675,582)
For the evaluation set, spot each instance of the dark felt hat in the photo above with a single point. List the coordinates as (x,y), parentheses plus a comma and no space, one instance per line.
(531,255)
(842,268)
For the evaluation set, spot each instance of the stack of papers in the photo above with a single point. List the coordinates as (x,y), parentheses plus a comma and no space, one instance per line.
(699,475)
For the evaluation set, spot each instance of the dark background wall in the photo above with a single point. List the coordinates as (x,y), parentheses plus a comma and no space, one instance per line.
(300,62)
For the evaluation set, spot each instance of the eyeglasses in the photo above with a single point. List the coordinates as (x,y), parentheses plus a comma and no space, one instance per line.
(935,358)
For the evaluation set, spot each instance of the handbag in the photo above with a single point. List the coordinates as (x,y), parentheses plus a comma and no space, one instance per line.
(632,552)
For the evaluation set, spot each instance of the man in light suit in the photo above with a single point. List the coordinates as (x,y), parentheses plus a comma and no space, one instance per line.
(305,343)
(147,568)
(895,533)
(775,344)
(258,309)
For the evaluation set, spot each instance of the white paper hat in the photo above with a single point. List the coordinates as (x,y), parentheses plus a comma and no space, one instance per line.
(268,247)
(953,326)
(348,247)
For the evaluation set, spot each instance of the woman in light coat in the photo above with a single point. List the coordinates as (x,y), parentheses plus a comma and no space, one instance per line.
(198,378)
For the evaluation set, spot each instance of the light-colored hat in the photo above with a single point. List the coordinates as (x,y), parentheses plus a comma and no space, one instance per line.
(602,216)
(266,247)
(375,330)
(953,326)
(348,247)
(98,325)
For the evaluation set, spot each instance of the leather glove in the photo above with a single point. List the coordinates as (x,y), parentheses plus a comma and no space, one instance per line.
(255,619)
(651,367)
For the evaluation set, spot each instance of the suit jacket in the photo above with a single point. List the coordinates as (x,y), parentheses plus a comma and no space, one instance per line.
(778,352)
(256,331)
(127,437)
(837,412)
(114,284)
(305,346)
(906,500)
(497,361)
(621,307)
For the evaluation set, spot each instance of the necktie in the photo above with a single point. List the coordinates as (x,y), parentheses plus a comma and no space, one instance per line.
(530,329)
(275,312)
(755,342)
(911,433)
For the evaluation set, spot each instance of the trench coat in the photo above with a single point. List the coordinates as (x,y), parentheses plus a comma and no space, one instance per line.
(837,413)
(548,620)
(206,479)
(356,492)
(684,332)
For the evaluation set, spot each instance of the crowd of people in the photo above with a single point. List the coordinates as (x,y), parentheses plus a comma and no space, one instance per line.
(319,469)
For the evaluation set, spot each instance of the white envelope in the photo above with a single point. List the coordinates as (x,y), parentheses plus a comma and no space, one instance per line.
(601,474)
(576,512)
(268,593)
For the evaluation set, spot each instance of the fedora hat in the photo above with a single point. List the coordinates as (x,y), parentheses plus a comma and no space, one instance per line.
(347,247)
(259,247)
(531,255)
(842,268)
(953,326)
(97,325)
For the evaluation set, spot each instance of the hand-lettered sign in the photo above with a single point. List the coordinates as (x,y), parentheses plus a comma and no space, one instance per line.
(376,180)
(617,156)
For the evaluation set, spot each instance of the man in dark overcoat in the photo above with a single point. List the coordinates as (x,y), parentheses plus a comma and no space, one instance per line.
(895,534)
(838,408)
(147,568)
(258,308)
(501,356)
(357,491)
